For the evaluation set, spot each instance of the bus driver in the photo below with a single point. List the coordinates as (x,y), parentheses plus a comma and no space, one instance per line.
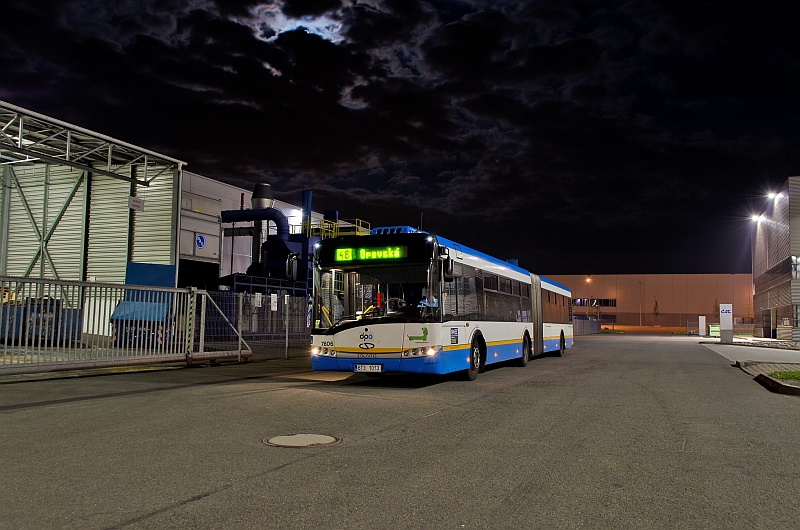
(425,302)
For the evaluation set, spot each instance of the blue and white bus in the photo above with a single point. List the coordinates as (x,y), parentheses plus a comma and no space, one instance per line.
(403,300)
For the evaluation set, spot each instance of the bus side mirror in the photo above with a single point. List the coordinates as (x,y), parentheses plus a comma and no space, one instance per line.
(448,274)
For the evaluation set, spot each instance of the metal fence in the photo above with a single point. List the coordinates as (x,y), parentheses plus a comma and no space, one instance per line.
(271,322)
(583,326)
(693,328)
(57,325)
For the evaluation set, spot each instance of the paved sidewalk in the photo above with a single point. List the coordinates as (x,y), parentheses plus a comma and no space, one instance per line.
(761,357)
(767,352)
(273,357)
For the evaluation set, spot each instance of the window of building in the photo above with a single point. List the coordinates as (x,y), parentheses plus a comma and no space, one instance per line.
(595,302)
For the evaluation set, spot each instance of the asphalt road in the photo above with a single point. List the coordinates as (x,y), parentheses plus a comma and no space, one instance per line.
(622,432)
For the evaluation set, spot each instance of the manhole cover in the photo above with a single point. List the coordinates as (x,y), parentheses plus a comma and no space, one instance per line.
(300,440)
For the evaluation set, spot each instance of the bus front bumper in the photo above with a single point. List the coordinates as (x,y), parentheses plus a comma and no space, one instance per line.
(441,363)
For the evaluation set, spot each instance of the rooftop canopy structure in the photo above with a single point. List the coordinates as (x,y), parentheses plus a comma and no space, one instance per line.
(27,137)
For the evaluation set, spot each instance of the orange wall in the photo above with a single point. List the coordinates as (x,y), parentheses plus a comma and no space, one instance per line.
(690,294)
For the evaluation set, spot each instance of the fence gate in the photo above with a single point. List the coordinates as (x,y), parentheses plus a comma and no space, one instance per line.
(49,325)
(270,323)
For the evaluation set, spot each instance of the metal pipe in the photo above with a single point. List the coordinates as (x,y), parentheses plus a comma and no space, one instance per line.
(261,214)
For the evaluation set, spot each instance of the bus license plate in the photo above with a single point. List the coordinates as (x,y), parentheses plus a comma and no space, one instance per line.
(368,368)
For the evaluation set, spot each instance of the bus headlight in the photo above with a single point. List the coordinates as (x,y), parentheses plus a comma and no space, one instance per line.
(431,351)
(315,351)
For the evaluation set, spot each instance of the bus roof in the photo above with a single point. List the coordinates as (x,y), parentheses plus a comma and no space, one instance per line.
(554,284)
(467,250)
(448,243)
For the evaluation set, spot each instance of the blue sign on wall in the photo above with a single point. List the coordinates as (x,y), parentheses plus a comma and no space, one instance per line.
(200,241)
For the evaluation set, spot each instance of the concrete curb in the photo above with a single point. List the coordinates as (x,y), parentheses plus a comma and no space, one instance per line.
(775,385)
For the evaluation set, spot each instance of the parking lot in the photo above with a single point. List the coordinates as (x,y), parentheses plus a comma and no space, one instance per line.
(624,431)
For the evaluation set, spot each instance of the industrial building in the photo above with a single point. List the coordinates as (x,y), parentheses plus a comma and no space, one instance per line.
(776,247)
(669,300)
(113,254)
(79,205)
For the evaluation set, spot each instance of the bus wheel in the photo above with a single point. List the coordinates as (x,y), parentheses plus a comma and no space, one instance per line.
(474,361)
(526,352)
(562,346)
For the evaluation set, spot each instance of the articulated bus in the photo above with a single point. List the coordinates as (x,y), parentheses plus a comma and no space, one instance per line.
(403,300)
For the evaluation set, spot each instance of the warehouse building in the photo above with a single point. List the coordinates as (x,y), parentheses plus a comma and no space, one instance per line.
(79,205)
(776,247)
(668,300)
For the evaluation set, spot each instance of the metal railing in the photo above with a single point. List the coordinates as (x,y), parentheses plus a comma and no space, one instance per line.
(325,229)
(270,322)
(48,325)
(353,226)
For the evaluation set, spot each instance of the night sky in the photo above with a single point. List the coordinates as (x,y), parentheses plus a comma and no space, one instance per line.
(581,137)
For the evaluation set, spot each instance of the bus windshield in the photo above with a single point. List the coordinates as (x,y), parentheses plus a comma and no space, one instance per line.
(402,293)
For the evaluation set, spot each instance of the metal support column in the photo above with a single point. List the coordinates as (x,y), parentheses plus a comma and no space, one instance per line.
(240,299)
(43,239)
(5,213)
(286,325)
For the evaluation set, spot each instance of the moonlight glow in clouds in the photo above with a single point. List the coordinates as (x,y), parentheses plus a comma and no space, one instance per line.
(269,22)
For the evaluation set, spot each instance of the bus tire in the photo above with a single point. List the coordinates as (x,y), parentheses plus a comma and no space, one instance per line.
(474,361)
(526,352)
(562,346)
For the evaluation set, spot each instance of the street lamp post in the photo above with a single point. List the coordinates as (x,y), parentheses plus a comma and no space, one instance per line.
(588,280)
(640,304)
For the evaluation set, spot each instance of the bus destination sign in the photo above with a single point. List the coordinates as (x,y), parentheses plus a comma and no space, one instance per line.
(370,254)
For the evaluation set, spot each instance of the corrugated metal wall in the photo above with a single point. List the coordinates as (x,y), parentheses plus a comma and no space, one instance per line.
(55,197)
(61,198)
(154,230)
(107,251)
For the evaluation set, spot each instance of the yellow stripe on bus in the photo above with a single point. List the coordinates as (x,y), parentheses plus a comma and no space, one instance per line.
(502,342)
(488,345)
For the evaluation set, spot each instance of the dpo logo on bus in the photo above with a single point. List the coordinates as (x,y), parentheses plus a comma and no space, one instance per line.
(365,337)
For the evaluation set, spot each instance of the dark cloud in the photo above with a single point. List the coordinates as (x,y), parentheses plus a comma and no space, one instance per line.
(579,137)
(303,8)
